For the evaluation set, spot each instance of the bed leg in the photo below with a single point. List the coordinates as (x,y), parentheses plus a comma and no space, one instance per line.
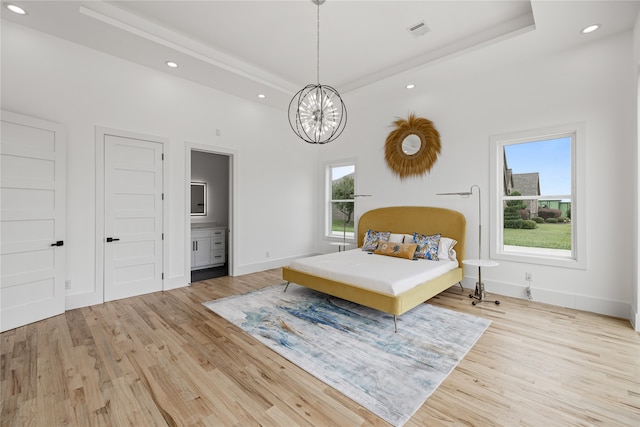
(461,288)
(395,323)
(285,288)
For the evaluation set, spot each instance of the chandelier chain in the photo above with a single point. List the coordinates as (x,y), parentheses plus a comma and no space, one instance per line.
(318,44)
(317,113)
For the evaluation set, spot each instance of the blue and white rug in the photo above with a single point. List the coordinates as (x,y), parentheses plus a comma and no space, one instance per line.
(353,348)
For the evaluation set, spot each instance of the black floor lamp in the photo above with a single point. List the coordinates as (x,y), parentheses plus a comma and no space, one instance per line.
(480,262)
(344,224)
(356,196)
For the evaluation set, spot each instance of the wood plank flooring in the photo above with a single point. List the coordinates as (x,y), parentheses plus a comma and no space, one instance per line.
(165,360)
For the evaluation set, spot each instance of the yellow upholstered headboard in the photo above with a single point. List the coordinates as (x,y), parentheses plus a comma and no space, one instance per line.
(419,219)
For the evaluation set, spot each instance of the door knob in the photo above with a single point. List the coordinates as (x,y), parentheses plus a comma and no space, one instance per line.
(111,239)
(58,243)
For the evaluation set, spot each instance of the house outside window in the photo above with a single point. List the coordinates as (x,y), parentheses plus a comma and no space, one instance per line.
(537,213)
(340,190)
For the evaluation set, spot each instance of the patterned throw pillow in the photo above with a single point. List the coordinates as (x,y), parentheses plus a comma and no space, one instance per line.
(372,237)
(396,249)
(427,246)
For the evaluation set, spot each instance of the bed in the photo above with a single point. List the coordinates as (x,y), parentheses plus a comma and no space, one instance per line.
(403,220)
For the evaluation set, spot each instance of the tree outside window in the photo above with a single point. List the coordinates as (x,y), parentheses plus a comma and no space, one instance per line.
(341,207)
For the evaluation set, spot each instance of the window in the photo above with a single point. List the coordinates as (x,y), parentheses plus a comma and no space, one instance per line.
(537,213)
(340,195)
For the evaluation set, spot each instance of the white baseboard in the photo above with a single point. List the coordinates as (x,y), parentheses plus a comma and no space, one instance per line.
(93,297)
(579,302)
(85,299)
(176,282)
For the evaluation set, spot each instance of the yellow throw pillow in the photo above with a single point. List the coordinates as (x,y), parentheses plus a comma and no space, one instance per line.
(396,249)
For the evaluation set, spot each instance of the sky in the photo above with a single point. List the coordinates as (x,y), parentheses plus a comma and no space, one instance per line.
(550,158)
(340,171)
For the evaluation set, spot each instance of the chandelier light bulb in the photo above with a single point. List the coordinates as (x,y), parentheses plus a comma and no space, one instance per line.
(317,114)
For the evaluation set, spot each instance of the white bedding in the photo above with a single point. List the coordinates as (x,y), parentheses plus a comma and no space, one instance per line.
(381,273)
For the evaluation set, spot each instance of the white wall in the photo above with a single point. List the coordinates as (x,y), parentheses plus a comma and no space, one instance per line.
(277,199)
(62,82)
(592,84)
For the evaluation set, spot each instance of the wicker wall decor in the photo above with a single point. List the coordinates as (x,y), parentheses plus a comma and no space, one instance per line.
(412,147)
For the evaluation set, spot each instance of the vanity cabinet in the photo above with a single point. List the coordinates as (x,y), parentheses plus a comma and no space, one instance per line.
(218,246)
(208,247)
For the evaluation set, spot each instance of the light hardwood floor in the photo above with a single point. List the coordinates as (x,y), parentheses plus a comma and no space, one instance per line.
(164,359)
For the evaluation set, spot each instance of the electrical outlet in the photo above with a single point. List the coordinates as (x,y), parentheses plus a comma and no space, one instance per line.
(528,276)
(267,254)
(67,284)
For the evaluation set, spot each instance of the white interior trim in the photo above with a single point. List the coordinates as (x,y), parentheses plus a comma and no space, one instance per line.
(233,179)
(607,307)
(97,296)
(578,214)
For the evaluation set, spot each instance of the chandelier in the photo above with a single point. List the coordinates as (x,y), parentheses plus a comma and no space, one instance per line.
(316,113)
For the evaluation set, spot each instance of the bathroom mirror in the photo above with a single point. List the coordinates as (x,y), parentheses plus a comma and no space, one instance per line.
(198,198)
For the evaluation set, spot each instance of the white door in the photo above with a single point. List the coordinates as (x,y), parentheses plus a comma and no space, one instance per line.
(133,217)
(32,220)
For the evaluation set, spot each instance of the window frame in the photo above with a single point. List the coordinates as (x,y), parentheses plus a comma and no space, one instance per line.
(328,201)
(578,206)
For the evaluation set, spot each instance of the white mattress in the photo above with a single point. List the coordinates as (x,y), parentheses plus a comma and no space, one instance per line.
(381,273)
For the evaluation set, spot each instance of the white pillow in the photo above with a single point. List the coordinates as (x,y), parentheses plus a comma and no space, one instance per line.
(445,250)
(408,238)
(396,238)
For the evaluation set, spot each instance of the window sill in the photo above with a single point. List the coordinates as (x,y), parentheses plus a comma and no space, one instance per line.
(541,256)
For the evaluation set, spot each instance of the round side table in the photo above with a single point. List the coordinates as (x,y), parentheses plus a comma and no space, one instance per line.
(479,293)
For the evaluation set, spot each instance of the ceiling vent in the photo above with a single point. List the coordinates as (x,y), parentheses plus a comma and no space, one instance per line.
(419,29)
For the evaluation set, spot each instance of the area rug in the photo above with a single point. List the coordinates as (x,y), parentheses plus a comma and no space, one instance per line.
(353,348)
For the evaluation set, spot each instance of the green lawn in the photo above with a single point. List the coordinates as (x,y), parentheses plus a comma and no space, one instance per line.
(339,223)
(551,236)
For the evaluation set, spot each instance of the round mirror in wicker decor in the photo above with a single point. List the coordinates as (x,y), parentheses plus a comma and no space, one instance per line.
(412,147)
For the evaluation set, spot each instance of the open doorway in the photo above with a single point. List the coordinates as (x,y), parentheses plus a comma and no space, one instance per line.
(209,205)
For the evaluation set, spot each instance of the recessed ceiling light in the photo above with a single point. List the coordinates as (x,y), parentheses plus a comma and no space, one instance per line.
(410,86)
(590,29)
(15,9)
(171,64)
(262,96)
